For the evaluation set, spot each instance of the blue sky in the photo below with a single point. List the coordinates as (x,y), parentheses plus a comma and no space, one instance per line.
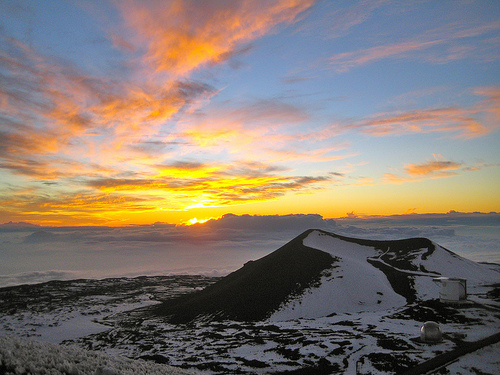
(132,112)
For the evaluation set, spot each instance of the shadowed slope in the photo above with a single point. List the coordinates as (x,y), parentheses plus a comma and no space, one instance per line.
(256,290)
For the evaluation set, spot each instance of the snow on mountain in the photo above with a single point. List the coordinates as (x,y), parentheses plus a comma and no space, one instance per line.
(320,273)
(351,285)
(377,275)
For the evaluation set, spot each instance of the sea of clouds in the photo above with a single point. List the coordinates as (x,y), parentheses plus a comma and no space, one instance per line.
(30,254)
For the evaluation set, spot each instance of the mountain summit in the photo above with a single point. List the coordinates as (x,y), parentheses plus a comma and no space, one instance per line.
(320,273)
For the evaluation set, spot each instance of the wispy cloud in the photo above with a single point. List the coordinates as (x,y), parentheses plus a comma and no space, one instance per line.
(347,18)
(49,106)
(490,105)
(452,40)
(67,110)
(446,120)
(343,62)
(342,17)
(179,185)
(238,129)
(467,122)
(273,127)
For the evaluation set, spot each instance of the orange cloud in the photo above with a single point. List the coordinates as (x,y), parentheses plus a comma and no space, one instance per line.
(273,127)
(264,125)
(54,107)
(410,211)
(184,185)
(104,195)
(182,35)
(490,106)
(51,107)
(428,169)
(470,122)
(433,168)
(392,178)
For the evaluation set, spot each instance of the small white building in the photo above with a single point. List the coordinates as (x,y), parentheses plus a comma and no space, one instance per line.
(453,290)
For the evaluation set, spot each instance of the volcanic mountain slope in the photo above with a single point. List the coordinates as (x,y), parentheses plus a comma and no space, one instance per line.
(256,289)
(320,274)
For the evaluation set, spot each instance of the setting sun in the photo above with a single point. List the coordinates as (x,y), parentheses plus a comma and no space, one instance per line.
(196,221)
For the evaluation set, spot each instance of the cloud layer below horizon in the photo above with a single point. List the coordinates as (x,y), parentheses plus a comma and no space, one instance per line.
(35,254)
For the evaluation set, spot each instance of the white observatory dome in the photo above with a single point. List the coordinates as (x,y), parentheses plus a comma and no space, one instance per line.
(431,332)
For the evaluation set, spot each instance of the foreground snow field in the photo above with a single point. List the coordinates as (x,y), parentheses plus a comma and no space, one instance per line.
(25,356)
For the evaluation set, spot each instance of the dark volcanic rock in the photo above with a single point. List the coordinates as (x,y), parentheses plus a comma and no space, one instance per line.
(253,292)
(74,294)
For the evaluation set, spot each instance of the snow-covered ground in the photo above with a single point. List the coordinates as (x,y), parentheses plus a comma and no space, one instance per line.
(67,310)
(343,343)
(483,361)
(25,356)
(325,330)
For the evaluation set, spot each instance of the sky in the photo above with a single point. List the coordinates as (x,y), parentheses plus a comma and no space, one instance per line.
(115,113)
